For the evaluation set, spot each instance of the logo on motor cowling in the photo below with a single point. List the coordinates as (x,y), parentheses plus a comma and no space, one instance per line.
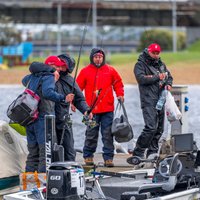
(55,178)
(54,191)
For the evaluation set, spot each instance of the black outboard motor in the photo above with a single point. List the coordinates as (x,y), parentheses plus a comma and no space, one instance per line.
(65,180)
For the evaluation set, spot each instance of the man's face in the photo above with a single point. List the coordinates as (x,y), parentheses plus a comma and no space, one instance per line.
(98,59)
(61,68)
(155,55)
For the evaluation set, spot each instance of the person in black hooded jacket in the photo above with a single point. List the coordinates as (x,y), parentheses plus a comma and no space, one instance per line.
(152,76)
(64,86)
(42,81)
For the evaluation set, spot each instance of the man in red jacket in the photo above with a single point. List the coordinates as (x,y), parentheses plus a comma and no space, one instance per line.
(98,80)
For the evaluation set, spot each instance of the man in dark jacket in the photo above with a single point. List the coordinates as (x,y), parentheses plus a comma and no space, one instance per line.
(42,81)
(152,77)
(66,85)
(99,80)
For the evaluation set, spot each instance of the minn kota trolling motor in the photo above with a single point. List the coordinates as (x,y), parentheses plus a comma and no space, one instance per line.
(65,180)
(176,171)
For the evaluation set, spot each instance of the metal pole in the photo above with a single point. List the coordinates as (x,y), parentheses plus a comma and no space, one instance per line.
(174,25)
(94,23)
(59,21)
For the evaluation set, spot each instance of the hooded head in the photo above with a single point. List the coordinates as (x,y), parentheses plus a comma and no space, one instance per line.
(97,52)
(154,51)
(69,61)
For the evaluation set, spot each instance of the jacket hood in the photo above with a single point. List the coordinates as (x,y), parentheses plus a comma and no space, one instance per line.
(146,58)
(94,51)
(69,61)
(37,67)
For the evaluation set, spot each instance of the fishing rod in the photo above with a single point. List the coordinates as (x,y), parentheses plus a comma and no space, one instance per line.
(92,123)
(95,101)
(80,50)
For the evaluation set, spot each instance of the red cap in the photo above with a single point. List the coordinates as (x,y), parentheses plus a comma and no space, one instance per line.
(154,48)
(54,60)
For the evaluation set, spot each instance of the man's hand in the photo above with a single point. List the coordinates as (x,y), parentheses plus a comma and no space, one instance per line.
(69,97)
(56,76)
(168,87)
(162,76)
(73,108)
(90,116)
(121,98)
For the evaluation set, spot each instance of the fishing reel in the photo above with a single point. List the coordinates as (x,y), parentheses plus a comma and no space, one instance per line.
(162,82)
(91,123)
(67,120)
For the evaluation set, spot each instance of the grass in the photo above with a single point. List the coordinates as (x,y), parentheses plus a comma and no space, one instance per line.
(195,47)
(184,66)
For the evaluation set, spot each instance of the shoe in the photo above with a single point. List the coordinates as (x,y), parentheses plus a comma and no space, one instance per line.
(89,161)
(141,155)
(139,152)
(135,159)
(153,156)
(149,153)
(108,163)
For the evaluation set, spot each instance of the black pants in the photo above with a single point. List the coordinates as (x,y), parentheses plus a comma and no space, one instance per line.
(153,129)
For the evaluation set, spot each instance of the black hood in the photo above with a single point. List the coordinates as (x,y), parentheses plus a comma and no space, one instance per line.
(146,58)
(69,61)
(94,51)
(38,67)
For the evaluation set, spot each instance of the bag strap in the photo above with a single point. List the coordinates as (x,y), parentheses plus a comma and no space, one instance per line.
(123,108)
(118,107)
(28,83)
(36,86)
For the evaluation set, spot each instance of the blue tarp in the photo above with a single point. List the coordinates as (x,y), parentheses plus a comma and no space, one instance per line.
(24,50)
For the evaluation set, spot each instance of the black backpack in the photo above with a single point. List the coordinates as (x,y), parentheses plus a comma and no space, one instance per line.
(24,109)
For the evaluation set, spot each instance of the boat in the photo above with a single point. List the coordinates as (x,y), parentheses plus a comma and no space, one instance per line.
(173,176)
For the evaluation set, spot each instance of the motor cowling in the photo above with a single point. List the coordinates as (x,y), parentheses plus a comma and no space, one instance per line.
(65,180)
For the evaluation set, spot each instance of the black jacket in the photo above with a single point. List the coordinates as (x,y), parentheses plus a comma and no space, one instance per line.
(64,86)
(147,71)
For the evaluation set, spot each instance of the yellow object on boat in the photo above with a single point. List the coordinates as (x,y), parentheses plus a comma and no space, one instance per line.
(20,129)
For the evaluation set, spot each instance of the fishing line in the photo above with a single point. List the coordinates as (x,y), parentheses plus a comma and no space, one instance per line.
(83,38)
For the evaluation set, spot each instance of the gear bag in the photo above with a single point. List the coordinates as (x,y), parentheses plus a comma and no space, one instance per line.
(24,109)
(121,129)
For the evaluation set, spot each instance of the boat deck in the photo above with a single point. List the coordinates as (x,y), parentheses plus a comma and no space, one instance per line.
(119,162)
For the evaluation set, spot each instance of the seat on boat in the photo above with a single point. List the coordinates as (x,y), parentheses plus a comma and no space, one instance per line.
(165,186)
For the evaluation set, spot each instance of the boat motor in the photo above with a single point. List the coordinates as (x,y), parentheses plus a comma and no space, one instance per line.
(65,180)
